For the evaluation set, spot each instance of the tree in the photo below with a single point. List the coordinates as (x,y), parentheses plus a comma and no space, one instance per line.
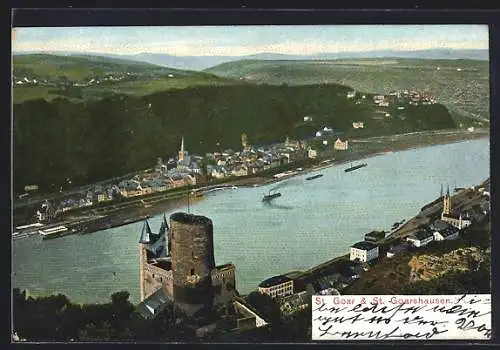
(265,305)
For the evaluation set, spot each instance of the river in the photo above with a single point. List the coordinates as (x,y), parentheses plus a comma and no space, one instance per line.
(311,222)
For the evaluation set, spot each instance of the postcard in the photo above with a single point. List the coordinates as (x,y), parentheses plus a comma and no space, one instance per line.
(251,183)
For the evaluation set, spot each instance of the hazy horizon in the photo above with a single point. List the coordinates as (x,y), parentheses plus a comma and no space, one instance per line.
(249,40)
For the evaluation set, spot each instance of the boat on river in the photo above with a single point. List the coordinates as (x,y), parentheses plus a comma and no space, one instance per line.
(355,167)
(55,232)
(270,196)
(314,177)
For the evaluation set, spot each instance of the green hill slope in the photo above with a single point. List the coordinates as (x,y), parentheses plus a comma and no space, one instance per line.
(93,77)
(100,139)
(461,85)
(76,68)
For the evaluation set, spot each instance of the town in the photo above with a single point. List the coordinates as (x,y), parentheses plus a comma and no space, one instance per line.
(185,170)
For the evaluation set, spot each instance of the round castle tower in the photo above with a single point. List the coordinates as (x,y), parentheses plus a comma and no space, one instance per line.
(192,251)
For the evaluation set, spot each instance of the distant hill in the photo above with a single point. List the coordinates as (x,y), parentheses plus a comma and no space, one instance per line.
(461,84)
(204,62)
(77,67)
(88,77)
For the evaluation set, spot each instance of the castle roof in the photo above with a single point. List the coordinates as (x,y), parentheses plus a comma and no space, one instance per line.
(164,227)
(147,236)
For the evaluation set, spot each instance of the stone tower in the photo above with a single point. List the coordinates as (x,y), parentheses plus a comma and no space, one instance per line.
(192,260)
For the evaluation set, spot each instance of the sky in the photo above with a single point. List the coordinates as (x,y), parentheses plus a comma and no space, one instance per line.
(247,40)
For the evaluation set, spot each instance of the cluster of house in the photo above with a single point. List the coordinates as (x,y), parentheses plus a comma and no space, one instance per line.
(448,227)
(252,160)
(154,183)
(281,288)
(362,255)
(29,81)
(412,97)
(106,78)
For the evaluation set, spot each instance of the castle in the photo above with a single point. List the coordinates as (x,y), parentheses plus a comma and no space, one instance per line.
(177,265)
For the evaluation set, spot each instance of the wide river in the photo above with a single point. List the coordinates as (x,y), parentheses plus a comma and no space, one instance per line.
(311,222)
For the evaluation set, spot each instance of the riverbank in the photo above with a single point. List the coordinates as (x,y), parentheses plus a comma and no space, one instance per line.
(371,147)
(122,214)
(466,198)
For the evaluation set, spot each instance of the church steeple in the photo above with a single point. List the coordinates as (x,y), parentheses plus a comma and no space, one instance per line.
(146,234)
(447,202)
(181,152)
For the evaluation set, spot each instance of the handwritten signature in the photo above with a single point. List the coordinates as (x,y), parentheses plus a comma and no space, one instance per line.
(400,321)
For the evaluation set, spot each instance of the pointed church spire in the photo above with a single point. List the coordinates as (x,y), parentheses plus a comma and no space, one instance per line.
(448,191)
(441,193)
(146,234)
(163,227)
(182,144)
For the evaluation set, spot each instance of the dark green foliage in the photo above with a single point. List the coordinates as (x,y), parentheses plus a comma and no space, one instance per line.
(55,318)
(96,140)
(266,306)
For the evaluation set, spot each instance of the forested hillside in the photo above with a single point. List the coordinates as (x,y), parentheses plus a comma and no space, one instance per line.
(88,141)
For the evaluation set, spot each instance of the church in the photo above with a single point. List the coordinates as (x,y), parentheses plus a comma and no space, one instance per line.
(453,217)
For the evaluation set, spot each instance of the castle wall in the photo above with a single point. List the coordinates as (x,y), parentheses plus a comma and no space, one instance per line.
(224,282)
(155,278)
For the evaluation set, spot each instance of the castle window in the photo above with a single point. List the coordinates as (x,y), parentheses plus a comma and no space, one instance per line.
(192,272)
(153,275)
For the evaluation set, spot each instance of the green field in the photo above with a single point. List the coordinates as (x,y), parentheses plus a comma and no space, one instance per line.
(32,93)
(146,87)
(79,67)
(150,78)
(465,92)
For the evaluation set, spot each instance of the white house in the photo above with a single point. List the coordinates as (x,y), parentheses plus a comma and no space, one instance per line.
(219,172)
(443,231)
(364,251)
(358,125)
(420,238)
(239,171)
(312,153)
(341,145)
(448,234)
